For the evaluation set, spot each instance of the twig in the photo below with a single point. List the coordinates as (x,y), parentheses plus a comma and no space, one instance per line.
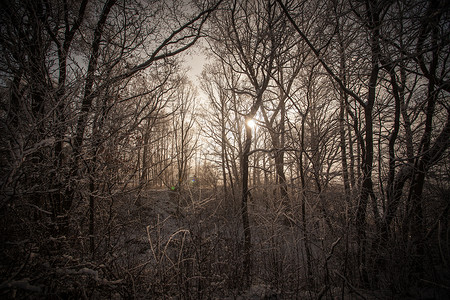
(332,248)
(349,284)
(436,284)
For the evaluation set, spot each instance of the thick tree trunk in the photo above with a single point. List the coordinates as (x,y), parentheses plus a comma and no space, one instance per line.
(367,184)
(416,215)
(88,98)
(372,9)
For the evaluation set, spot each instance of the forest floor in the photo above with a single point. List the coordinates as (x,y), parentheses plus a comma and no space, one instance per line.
(194,241)
(198,235)
(161,244)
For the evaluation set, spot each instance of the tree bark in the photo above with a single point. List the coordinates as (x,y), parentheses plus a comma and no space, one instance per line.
(244,206)
(303,201)
(88,98)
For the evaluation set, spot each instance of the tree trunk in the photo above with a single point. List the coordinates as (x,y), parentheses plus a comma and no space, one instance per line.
(88,98)
(244,206)
(303,203)
(223,150)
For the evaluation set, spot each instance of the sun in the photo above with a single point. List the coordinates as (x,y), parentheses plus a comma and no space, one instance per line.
(251,123)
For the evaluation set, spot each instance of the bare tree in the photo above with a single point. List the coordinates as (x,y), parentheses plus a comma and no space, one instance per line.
(243,30)
(99,122)
(385,60)
(216,80)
